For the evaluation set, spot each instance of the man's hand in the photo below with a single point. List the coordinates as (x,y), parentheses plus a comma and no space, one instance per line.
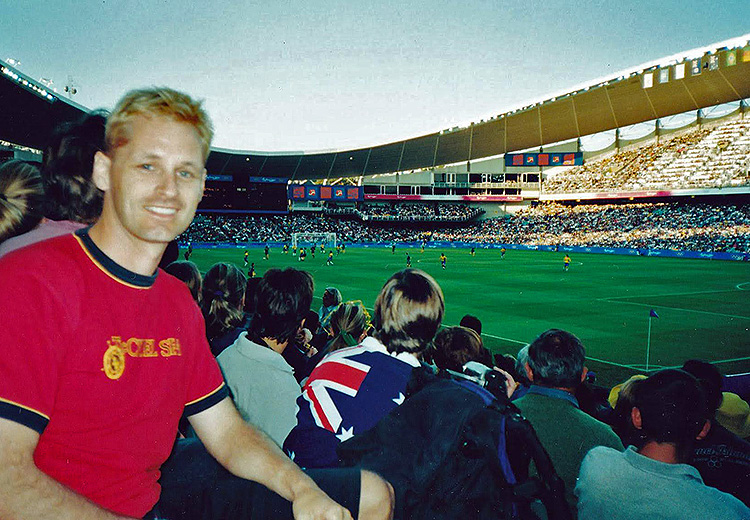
(313,504)
(248,453)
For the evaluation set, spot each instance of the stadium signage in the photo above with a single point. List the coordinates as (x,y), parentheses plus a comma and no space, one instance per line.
(544,159)
(323,192)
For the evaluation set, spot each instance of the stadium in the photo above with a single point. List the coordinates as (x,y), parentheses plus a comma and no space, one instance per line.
(671,182)
(618,210)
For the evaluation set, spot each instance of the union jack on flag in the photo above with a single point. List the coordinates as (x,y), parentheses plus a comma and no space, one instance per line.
(347,393)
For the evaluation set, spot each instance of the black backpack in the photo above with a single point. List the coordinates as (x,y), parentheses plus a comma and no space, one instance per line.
(455,450)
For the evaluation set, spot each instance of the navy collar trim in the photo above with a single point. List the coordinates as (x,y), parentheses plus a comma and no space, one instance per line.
(109,266)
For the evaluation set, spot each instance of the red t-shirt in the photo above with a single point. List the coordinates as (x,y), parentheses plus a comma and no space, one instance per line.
(101,362)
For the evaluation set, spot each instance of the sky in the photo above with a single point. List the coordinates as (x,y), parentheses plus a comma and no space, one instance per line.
(294,76)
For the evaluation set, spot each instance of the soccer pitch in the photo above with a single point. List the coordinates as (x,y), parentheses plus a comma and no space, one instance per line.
(703,306)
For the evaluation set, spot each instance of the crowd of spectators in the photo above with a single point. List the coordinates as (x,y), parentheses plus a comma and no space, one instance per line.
(699,158)
(408,211)
(683,227)
(671,225)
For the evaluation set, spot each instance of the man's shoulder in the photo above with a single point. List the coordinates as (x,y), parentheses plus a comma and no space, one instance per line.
(51,258)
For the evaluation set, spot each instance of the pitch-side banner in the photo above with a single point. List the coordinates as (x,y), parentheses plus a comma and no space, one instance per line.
(544,159)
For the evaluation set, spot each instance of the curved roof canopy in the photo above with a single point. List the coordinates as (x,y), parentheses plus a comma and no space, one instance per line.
(656,90)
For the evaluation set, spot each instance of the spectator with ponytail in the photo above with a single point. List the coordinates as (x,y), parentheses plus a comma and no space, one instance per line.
(349,324)
(21,198)
(222,301)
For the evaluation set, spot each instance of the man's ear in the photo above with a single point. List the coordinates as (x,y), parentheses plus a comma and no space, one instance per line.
(636,419)
(704,431)
(203,181)
(529,373)
(100,173)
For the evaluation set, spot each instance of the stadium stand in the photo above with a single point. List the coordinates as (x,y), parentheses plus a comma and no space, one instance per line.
(669,225)
(699,158)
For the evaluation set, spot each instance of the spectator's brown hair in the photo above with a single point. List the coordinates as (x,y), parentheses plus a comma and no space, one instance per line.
(67,174)
(187,272)
(408,311)
(221,301)
(21,198)
(456,346)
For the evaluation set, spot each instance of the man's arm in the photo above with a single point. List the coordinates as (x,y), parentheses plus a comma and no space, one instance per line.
(249,454)
(27,493)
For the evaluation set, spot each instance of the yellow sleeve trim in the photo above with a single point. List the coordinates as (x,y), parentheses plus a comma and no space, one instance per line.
(19,405)
(207,395)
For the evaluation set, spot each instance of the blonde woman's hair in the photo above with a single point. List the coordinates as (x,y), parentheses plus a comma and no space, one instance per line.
(347,323)
(158,101)
(408,311)
(21,198)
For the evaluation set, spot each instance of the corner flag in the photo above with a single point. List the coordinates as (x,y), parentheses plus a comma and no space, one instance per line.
(652,314)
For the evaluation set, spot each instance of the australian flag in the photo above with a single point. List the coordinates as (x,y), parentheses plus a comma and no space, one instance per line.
(346,394)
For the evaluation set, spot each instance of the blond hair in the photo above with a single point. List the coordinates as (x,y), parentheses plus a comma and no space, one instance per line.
(347,323)
(21,198)
(408,311)
(158,101)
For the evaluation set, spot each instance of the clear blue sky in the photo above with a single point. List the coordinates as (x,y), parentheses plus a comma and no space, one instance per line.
(311,75)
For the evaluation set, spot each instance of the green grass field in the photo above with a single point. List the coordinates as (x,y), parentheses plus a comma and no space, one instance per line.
(703,305)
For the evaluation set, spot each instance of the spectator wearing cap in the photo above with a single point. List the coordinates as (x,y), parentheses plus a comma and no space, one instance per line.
(556,368)
(652,480)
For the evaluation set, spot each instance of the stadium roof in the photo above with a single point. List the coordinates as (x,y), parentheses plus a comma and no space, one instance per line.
(689,81)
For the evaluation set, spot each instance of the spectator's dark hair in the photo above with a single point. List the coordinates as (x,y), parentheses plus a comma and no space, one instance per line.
(556,359)
(221,300)
(21,198)
(408,311)
(456,346)
(312,321)
(187,272)
(70,191)
(506,362)
(331,297)
(672,407)
(281,302)
(251,290)
(472,322)
(710,380)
